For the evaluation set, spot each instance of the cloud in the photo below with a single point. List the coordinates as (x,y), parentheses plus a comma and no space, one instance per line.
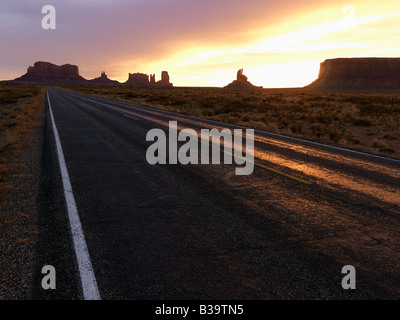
(194,40)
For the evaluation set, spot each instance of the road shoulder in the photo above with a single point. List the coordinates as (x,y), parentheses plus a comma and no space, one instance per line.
(34,231)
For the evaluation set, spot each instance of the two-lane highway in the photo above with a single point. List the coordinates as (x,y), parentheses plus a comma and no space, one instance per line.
(202,232)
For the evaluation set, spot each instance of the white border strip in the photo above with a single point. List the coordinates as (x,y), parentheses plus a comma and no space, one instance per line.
(88,280)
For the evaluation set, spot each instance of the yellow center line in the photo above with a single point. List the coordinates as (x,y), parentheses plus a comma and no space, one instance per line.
(274,170)
(283,174)
(125,115)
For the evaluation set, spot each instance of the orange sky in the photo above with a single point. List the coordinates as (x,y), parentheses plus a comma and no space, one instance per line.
(200,43)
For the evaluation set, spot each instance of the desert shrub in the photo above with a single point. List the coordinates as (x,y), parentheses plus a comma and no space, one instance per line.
(227,108)
(208,112)
(178,102)
(283,123)
(257,125)
(334,136)
(207,104)
(376,143)
(370,109)
(240,104)
(232,119)
(324,119)
(245,118)
(130,95)
(272,126)
(296,128)
(361,122)
(263,107)
(355,140)
(388,150)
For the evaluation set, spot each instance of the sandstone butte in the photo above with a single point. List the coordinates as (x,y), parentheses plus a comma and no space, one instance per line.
(103,79)
(241,82)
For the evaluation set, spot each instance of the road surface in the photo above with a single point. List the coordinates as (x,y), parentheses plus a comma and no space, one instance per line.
(201,232)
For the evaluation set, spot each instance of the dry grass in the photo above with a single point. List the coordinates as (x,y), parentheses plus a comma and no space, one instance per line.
(18,107)
(364,121)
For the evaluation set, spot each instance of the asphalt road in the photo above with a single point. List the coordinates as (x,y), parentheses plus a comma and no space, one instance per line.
(199,231)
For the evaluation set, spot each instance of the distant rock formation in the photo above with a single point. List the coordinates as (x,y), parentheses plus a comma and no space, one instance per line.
(358,74)
(103,79)
(142,79)
(240,76)
(46,72)
(164,80)
(241,82)
(138,79)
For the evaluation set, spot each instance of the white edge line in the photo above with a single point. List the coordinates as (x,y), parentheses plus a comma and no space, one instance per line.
(88,279)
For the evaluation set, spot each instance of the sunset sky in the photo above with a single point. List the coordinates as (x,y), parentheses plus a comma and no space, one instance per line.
(200,43)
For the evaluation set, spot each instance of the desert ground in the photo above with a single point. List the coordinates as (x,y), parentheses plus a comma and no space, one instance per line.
(18,107)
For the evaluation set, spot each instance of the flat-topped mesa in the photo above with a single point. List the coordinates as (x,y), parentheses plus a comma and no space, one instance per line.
(47,68)
(358,74)
(139,79)
(241,82)
(46,72)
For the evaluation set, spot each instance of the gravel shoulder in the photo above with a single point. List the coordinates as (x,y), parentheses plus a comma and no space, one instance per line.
(34,230)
